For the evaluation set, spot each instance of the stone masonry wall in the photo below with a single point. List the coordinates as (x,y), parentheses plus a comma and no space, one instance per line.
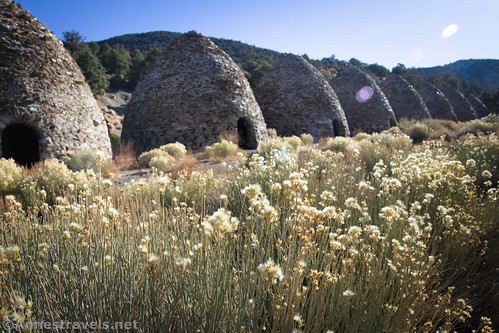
(462,107)
(366,107)
(404,99)
(295,98)
(42,87)
(193,93)
(436,101)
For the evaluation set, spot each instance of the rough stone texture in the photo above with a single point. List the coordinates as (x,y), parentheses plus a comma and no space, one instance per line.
(366,107)
(477,104)
(193,93)
(295,98)
(404,99)
(462,107)
(436,101)
(42,88)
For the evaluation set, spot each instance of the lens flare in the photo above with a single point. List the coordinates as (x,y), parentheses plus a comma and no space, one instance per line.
(364,94)
(449,31)
(416,55)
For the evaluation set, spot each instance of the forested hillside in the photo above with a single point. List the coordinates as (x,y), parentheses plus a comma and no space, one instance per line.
(484,71)
(120,61)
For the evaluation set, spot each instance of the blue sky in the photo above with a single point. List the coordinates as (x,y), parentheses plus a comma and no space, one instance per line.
(383,31)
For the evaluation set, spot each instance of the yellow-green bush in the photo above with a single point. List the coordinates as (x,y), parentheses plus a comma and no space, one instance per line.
(162,163)
(293,141)
(146,157)
(307,139)
(320,241)
(340,144)
(221,150)
(85,160)
(176,149)
(10,175)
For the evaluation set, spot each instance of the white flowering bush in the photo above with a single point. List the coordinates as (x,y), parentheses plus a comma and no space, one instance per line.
(382,236)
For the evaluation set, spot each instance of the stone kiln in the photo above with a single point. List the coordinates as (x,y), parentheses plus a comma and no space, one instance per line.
(295,98)
(404,99)
(193,93)
(366,107)
(462,107)
(436,101)
(46,107)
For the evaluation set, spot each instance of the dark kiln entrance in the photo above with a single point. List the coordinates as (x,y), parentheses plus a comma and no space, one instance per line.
(20,142)
(338,131)
(246,134)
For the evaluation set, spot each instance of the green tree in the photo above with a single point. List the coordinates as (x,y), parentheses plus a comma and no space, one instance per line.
(400,69)
(92,69)
(138,63)
(356,62)
(120,61)
(84,55)
(378,70)
(105,55)
(73,36)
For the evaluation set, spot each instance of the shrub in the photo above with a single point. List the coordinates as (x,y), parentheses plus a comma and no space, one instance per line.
(177,150)
(482,153)
(293,141)
(115,141)
(52,176)
(124,159)
(146,157)
(11,175)
(86,160)
(477,126)
(418,133)
(274,146)
(307,139)
(162,162)
(221,150)
(272,133)
(339,144)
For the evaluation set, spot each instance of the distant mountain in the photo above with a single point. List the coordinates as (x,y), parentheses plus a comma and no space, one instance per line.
(248,57)
(485,71)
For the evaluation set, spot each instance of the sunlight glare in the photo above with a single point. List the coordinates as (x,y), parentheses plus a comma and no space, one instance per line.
(416,56)
(364,94)
(449,31)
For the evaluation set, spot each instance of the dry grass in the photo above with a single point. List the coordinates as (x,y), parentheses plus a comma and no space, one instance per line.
(185,166)
(123,160)
(230,136)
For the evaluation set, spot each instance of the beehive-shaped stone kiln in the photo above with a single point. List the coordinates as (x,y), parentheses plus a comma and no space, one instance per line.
(404,99)
(462,107)
(295,98)
(193,93)
(477,104)
(436,101)
(366,107)
(46,107)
